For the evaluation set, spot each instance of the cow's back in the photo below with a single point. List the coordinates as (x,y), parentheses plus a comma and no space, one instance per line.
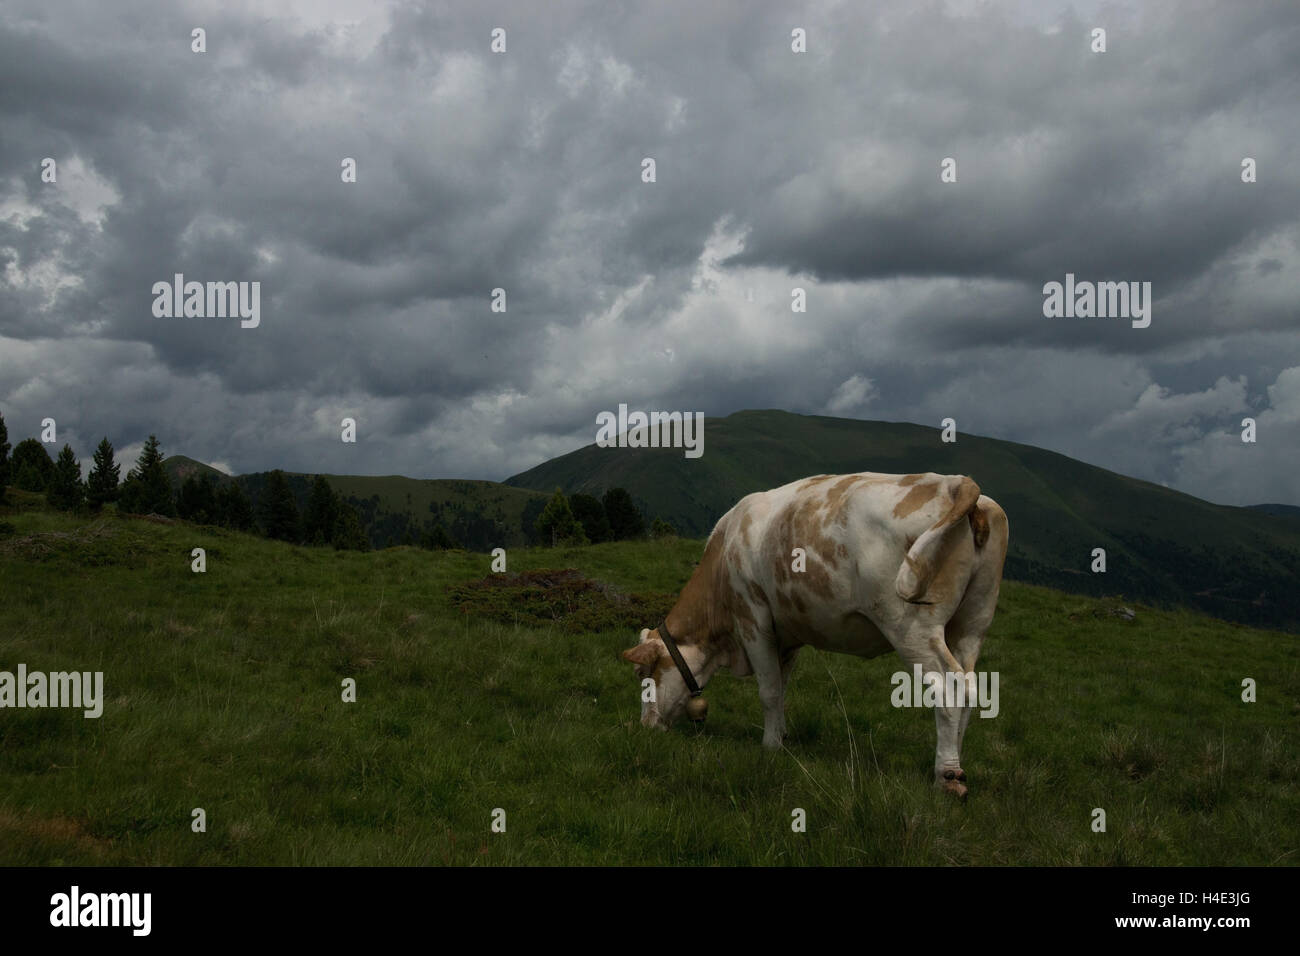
(837,561)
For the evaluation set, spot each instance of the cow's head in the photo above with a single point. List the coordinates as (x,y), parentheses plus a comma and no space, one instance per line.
(670,698)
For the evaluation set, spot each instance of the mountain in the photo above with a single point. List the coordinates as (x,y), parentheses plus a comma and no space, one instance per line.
(1280,511)
(178,468)
(1162,546)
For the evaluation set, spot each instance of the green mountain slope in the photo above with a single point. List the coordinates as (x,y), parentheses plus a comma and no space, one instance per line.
(1161,545)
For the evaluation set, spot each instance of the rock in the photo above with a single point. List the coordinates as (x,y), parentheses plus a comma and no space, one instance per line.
(1115,610)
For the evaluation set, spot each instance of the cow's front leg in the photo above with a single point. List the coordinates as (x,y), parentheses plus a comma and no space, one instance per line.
(766,662)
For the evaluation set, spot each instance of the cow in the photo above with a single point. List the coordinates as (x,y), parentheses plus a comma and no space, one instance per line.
(909,563)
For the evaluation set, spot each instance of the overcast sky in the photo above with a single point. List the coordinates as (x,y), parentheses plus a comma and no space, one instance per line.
(775,170)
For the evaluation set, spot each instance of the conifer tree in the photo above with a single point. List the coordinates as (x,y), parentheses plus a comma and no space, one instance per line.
(591,515)
(277,510)
(66,491)
(557,525)
(348,534)
(624,519)
(102,482)
(147,489)
(434,537)
(197,501)
(321,514)
(234,510)
(4,458)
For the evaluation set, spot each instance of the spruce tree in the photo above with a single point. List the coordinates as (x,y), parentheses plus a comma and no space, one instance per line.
(4,458)
(624,519)
(435,538)
(102,482)
(66,492)
(197,501)
(557,525)
(347,534)
(234,510)
(147,489)
(591,515)
(277,510)
(321,514)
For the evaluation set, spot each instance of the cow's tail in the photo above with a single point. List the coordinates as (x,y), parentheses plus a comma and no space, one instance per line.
(923,557)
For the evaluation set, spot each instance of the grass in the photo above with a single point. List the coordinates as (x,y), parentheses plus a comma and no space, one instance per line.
(223,692)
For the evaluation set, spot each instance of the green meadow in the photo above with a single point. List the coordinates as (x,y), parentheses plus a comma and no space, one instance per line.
(223,691)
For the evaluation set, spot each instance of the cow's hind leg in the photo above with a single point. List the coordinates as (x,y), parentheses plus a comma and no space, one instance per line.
(965,643)
(964,633)
(926,646)
(788,656)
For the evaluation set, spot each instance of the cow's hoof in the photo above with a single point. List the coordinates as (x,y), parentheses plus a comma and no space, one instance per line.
(954,782)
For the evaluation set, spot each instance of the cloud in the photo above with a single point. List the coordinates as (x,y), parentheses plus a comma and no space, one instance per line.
(851,395)
(522,171)
(1219,465)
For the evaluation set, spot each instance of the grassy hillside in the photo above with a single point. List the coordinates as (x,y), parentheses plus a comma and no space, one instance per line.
(1161,545)
(223,692)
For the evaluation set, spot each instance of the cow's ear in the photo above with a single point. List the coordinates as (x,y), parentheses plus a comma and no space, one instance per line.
(643,654)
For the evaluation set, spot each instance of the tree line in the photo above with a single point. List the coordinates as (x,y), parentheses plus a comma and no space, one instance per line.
(147,489)
(585,519)
(327,519)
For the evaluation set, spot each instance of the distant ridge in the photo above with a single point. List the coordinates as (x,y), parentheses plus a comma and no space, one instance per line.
(1162,546)
(1279,511)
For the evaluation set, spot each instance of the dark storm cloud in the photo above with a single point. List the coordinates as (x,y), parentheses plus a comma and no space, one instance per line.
(522,171)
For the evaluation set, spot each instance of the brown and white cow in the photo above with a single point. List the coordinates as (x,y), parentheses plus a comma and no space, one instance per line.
(909,563)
